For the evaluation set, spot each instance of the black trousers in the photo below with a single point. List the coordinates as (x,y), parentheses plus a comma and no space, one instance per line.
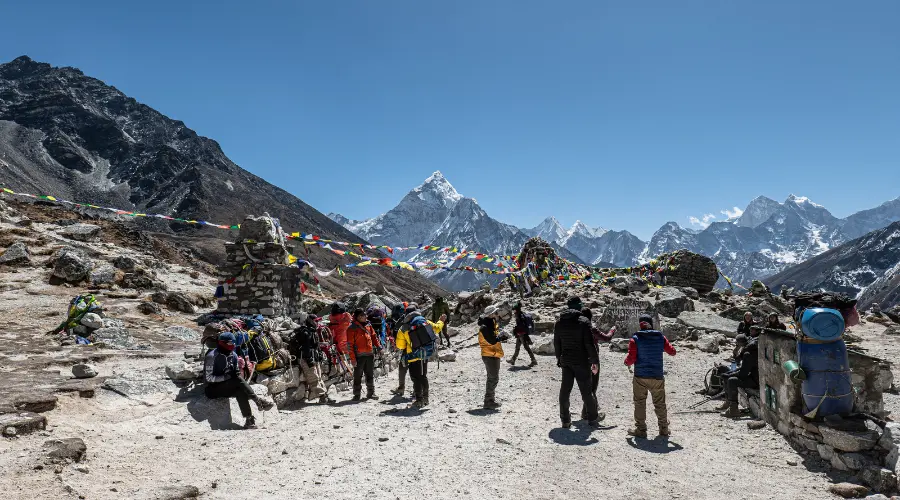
(402,369)
(492,367)
(236,388)
(365,365)
(734,383)
(521,341)
(418,372)
(580,374)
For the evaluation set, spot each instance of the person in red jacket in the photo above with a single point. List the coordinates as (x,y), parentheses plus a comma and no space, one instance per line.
(338,322)
(362,344)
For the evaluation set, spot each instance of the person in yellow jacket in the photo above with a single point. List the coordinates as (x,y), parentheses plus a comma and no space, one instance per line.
(417,360)
(491,354)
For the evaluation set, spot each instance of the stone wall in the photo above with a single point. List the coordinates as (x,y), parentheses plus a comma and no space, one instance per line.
(262,283)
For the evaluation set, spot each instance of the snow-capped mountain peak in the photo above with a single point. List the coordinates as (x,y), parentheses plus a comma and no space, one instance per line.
(583,229)
(801,200)
(437,188)
(549,230)
(758,211)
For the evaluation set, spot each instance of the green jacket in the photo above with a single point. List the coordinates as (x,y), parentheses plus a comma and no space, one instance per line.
(439,309)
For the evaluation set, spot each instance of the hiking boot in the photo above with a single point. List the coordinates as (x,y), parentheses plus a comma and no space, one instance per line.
(264,404)
(418,404)
(425,401)
(355,397)
(664,432)
(250,423)
(511,361)
(492,405)
(601,416)
(566,425)
(372,396)
(325,400)
(398,391)
(733,410)
(594,423)
(533,363)
(637,433)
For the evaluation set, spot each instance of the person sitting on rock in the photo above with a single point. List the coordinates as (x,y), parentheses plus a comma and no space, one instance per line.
(441,308)
(523,330)
(309,354)
(222,377)
(645,353)
(416,354)
(746,327)
(363,344)
(576,355)
(746,376)
(773,324)
(598,337)
(491,354)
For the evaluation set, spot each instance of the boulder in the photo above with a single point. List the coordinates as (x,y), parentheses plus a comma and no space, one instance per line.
(709,344)
(690,269)
(848,441)
(630,284)
(261,229)
(855,461)
(21,423)
(149,308)
(84,370)
(103,275)
(282,381)
(671,302)
(70,265)
(619,345)
(183,492)
(81,232)
(892,330)
(15,255)
(623,313)
(66,450)
(115,337)
(848,490)
(879,479)
(691,293)
(672,329)
(182,370)
(447,355)
(542,344)
(125,263)
(176,301)
(92,321)
(35,403)
(709,322)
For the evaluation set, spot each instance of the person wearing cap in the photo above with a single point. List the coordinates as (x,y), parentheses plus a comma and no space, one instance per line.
(491,354)
(417,359)
(222,377)
(522,329)
(645,353)
(576,355)
(309,355)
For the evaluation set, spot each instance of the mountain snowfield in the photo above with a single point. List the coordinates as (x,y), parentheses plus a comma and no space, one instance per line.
(767,237)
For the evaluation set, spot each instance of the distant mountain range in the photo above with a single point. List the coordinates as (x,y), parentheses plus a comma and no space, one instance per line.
(768,237)
(72,136)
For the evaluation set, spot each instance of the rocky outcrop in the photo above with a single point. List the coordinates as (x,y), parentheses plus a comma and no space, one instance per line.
(15,255)
(81,232)
(671,302)
(70,265)
(690,269)
(708,322)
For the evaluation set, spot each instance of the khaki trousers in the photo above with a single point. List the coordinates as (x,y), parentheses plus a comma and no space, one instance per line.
(315,387)
(657,390)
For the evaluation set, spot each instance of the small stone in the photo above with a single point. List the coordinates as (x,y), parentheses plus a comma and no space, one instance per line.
(502,441)
(81,468)
(382,439)
(149,308)
(337,426)
(65,450)
(84,370)
(160,437)
(848,490)
(791,462)
(452,410)
(755,425)
(284,452)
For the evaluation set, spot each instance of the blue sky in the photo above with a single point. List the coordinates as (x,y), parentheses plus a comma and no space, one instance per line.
(622,114)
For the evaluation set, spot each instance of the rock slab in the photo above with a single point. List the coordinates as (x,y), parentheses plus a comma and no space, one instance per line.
(709,322)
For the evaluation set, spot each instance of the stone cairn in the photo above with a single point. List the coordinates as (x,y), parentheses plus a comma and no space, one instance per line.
(257,275)
(691,270)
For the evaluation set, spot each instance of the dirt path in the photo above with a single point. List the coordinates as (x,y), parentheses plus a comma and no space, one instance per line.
(452,450)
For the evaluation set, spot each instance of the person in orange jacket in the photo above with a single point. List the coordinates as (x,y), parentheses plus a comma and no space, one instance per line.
(491,354)
(338,322)
(362,344)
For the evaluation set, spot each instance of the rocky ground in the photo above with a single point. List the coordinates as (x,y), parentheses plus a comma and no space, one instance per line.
(130,432)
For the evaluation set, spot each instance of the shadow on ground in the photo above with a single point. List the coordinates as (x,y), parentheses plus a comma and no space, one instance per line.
(578,435)
(659,444)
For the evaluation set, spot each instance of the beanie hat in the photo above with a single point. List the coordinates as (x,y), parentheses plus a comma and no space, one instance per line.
(574,303)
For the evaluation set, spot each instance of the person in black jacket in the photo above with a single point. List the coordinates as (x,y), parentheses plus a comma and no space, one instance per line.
(523,339)
(309,355)
(576,354)
(746,376)
(745,327)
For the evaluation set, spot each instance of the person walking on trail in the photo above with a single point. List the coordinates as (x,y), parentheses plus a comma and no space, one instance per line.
(221,372)
(398,317)
(745,376)
(417,340)
(308,352)
(598,337)
(338,322)
(362,344)
(578,358)
(441,308)
(491,354)
(523,330)
(645,353)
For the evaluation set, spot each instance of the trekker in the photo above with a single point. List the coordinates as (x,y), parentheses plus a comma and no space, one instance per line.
(598,337)
(338,322)
(745,376)
(398,314)
(744,327)
(416,340)
(220,371)
(362,344)
(441,308)
(576,355)
(523,330)
(310,355)
(645,352)
(491,354)
(772,322)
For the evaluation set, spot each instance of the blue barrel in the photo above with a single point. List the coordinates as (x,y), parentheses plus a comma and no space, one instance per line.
(827,385)
(821,323)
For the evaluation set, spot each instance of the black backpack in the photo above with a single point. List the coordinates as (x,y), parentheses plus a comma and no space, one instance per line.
(422,336)
(528,323)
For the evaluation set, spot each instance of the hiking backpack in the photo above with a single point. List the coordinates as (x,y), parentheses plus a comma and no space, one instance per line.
(528,323)
(261,351)
(422,337)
